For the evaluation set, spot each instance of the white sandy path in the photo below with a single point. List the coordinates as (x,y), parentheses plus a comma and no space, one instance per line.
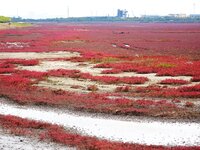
(51,65)
(33,55)
(138,131)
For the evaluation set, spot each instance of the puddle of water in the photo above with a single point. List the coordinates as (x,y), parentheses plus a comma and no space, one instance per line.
(142,132)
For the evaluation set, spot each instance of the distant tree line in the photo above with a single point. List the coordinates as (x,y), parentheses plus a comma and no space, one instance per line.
(159,19)
(4,19)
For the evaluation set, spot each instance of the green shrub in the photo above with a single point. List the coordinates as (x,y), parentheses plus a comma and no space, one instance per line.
(4,19)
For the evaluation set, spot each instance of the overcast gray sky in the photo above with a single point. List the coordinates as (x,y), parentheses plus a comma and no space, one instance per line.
(78,8)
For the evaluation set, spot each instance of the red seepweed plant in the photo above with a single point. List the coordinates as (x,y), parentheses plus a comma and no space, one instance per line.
(174,81)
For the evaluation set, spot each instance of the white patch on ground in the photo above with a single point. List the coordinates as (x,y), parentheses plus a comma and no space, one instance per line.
(127,45)
(114,45)
(88,68)
(69,83)
(13,142)
(51,65)
(14,45)
(5,26)
(135,131)
(81,30)
(33,55)
(71,41)
(66,83)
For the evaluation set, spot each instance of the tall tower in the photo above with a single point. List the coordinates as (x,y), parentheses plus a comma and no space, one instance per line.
(194,8)
(67,11)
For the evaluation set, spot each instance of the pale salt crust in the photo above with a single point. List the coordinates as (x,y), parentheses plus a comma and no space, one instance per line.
(10,45)
(89,68)
(33,55)
(149,132)
(66,83)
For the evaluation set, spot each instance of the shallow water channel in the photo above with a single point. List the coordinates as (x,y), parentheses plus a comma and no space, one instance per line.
(138,131)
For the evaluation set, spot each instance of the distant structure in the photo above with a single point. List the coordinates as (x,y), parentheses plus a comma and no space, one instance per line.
(122,13)
(194,15)
(178,15)
(150,16)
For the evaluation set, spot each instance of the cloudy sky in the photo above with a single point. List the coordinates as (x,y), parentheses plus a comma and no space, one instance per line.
(78,8)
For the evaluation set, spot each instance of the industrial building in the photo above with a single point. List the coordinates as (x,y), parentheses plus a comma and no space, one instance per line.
(178,15)
(122,13)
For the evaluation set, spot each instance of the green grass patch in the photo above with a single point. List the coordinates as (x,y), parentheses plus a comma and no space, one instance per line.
(166,65)
(104,60)
(20,24)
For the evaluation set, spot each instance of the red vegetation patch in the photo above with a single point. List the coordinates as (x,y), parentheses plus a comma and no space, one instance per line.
(15,80)
(189,104)
(148,39)
(176,101)
(163,49)
(3,64)
(162,66)
(65,73)
(116,80)
(112,71)
(104,79)
(7,70)
(9,66)
(157,91)
(123,89)
(23,62)
(6,67)
(196,79)
(31,74)
(91,102)
(19,126)
(174,81)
